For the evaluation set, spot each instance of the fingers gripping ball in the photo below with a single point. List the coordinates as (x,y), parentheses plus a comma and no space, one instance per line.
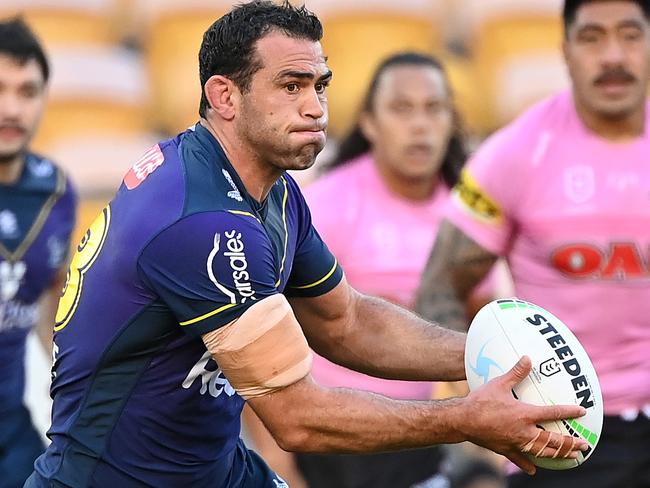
(562,374)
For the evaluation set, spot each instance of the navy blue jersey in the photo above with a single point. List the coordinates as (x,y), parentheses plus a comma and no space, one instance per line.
(37,215)
(181,250)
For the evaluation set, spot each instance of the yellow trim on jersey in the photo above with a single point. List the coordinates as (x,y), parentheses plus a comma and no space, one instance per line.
(286,231)
(207,315)
(38,223)
(474,199)
(241,212)
(323,279)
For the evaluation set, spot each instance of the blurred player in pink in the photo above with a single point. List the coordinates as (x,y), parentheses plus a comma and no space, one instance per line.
(379,210)
(380,205)
(564,193)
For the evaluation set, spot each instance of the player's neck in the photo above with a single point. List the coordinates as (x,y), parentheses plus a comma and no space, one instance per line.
(414,189)
(257,177)
(11,169)
(614,129)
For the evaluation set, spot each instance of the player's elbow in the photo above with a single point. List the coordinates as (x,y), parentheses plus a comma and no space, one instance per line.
(291,416)
(294,438)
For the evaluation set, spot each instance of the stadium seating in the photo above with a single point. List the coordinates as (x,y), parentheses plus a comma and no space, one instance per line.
(69,22)
(96,112)
(171,40)
(516,49)
(358,35)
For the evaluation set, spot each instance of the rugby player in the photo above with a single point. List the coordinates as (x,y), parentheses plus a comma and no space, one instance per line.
(37,211)
(197,288)
(564,193)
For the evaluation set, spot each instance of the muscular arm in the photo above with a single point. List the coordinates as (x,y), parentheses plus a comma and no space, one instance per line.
(308,418)
(456,265)
(378,338)
(266,359)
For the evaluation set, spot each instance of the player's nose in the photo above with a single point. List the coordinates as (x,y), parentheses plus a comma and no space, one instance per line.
(314,106)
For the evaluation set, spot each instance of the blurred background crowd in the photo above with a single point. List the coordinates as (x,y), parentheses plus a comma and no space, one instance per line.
(124,72)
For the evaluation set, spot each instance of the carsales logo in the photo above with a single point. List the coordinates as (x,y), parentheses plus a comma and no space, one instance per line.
(146,165)
(239,265)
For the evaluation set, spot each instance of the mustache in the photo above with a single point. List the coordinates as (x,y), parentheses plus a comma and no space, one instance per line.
(618,75)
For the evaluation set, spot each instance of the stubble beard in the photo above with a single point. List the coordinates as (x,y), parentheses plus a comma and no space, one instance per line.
(10,157)
(279,154)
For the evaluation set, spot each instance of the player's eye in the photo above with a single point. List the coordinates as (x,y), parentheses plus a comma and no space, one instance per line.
(322,86)
(29,91)
(632,34)
(589,37)
(292,87)
(436,107)
(401,108)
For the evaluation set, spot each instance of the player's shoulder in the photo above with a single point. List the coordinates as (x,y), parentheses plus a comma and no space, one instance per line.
(211,183)
(551,113)
(183,175)
(199,234)
(516,141)
(43,175)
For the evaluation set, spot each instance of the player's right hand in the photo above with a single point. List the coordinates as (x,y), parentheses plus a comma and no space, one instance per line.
(494,419)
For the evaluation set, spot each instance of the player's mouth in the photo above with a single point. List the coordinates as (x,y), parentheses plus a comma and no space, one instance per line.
(311,132)
(613,84)
(420,150)
(11,132)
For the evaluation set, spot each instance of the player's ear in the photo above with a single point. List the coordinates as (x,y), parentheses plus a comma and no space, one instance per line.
(222,95)
(368,127)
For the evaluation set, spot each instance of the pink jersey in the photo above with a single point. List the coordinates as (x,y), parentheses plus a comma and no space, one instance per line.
(571,212)
(383,242)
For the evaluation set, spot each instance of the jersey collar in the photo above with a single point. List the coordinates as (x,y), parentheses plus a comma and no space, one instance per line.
(218,155)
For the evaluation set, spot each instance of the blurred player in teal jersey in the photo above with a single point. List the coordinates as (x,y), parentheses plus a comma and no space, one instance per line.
(37,210)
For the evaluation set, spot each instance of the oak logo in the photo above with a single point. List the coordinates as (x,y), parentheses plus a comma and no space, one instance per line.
(616,261)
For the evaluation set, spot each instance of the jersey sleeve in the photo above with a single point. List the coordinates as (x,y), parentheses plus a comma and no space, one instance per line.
(483,202)
(315,270)
(209,268)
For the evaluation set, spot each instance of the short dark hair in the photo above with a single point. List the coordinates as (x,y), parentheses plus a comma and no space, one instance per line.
(18,41)
(571,8)
(356,144)
(228,46)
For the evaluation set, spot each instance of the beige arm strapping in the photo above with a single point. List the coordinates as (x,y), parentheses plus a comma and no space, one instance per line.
(263,350)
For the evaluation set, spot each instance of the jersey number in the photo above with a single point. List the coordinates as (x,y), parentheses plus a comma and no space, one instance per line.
(84,257)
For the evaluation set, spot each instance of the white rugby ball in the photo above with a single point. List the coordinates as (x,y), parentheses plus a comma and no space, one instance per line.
(505,330)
